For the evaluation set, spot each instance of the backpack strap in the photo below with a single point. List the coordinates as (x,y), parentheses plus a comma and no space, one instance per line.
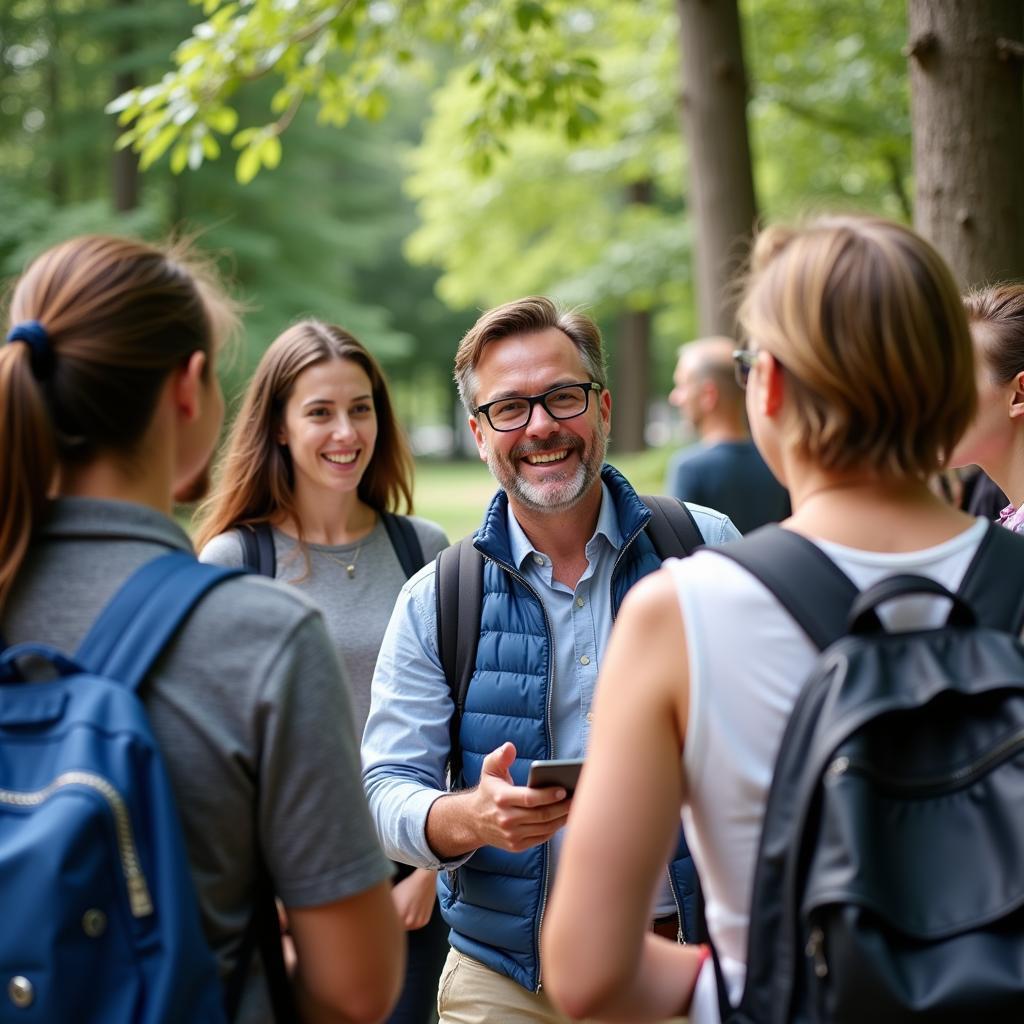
(458,588)
(258,548)
(263,933)
(992,583)
(803,579)
(405,541)
(672,528)
(139,620)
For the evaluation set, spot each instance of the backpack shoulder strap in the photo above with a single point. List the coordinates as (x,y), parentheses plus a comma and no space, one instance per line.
(672,528)
(405,541)
(139,620)
(992,583)
(258,548)
(804,580)
(458,588)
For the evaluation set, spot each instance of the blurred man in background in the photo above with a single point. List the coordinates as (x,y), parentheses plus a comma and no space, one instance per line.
(722,470)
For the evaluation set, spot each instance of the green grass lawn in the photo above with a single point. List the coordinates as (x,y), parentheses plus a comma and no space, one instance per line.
(455,494)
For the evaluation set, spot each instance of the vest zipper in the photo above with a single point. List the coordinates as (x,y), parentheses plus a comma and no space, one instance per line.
(618,558)
(958,778)
(515,574)
(680,937)
(138,891)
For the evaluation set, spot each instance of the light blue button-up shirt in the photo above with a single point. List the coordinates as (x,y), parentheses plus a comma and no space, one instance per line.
(406,741)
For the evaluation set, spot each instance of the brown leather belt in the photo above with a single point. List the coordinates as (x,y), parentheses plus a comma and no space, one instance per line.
(667,927)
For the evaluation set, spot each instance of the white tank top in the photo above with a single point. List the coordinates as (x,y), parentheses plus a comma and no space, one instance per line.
(748,661)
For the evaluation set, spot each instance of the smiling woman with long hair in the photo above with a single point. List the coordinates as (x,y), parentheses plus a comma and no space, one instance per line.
(318,462)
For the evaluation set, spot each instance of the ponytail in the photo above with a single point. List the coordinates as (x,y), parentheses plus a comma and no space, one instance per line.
(28,459)
(99,323)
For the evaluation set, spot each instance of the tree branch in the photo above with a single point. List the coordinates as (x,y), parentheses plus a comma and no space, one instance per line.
(309,32)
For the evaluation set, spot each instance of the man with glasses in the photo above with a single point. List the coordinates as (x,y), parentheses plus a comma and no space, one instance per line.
(722,468)
(562,540)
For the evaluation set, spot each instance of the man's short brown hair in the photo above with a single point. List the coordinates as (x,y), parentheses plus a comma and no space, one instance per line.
(526,316)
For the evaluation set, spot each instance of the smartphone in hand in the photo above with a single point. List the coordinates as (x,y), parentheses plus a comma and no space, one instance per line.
(564,773)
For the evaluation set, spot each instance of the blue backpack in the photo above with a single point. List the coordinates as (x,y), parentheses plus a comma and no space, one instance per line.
(100,917)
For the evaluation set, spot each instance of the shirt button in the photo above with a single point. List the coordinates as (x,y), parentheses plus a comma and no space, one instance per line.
(590,716)
(580,602)
(539,559)
(584,660)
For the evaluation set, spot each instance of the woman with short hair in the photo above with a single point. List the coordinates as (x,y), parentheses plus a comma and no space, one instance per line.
(859,381)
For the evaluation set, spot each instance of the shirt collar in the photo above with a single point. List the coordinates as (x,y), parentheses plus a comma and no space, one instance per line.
(607,527)
(105,519)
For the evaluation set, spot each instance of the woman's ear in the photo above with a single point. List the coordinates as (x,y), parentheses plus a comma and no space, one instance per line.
(772,383)
(1017,396)
(187,388)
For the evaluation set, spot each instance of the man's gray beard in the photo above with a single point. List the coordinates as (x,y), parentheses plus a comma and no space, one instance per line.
(544,497)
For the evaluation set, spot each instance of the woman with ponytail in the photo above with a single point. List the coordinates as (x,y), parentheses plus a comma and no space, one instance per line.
(109,412)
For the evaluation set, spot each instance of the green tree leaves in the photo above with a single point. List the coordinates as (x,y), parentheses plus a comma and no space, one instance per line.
(523,60)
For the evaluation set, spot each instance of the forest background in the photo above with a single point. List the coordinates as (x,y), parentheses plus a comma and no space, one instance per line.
(395,167)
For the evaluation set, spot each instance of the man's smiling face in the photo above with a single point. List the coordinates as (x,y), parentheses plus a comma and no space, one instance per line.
(548,464)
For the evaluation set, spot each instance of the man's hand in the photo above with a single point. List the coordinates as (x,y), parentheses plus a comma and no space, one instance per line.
(512,817)
(495,813)
(414,898)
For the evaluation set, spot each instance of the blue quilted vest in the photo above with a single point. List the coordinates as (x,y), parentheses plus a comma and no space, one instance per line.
(494,902)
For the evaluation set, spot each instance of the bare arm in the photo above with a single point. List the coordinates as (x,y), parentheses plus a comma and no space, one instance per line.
(495,813)
(350,958)
(414,898)
(624,826)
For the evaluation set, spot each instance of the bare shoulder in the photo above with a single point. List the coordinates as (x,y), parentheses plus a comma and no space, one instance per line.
(653,601)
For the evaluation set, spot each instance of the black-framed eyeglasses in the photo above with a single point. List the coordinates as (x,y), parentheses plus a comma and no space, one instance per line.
(743,360)
(564,402)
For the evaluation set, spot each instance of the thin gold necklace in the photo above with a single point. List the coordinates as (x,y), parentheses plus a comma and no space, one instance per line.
(349,567)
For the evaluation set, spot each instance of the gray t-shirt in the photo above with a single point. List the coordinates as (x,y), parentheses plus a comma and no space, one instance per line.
(250,689)
(356,607)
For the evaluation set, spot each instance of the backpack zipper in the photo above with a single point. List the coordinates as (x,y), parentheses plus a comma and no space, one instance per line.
(138,891)
(958,778)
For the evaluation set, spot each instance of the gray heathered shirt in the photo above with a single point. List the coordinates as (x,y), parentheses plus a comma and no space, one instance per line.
(357,609)
(250,687)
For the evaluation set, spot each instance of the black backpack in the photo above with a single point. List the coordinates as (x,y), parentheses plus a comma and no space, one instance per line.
(259,555)
(459,592)
(889,882)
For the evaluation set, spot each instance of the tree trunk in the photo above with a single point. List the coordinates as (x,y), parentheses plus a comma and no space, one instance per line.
(967,107)
(125,166)
(632,361)
(714,116)
(631,371)
(58,176)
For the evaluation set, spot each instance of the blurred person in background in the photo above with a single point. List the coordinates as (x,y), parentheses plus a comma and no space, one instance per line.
(723,469)
(995,440)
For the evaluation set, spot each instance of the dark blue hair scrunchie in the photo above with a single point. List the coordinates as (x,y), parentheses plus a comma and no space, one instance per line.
(35,335)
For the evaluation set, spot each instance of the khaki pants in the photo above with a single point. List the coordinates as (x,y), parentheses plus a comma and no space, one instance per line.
(470,993)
